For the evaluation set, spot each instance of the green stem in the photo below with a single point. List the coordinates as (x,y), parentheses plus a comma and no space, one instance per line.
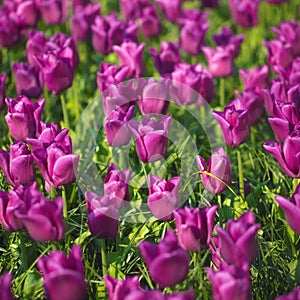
(52,192)
(65,113)
(241,175)
(23,251)
(296,181)
(103,257)
(203,115)
(222,92)
(64,196)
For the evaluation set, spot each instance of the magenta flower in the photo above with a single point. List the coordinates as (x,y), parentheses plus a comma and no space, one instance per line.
(291,208)
(131,54)
(35,45)
(237,243)
(218,166)
(103,216)
(17,165)
(29,81)
(117,181)
(209,3)
(234,124)
(151,138)
(167,262)
(23,117)
(194,227)
(293,295)
(2,90)
(256,78)
(53,11)
(63,276)
(287,155)
(5,286)
(171,9)
(163,196)
(131,9)
(150,24)
(78,3)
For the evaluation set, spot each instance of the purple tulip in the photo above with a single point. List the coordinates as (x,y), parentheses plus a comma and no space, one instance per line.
(291,208)
(149,22)
(293,295)
(131,54)
(163,196)
(35,45)
(287,155)
(230,283)
(117,182)
(103,216)
(157,294)
(116,130)
(57,69)
(244,12)
(63,276)
(5,286)
(226,38)
(171,9)
(154,98)
(289,32)
(219,169)
(215,250)
(106,32)
(252,102)
(2,90)
(234,124)
(78,3)
(130,9)
(53,11)
(237,243)
(279,53)
(285,118)
(17,165)
(167,262)
(220,60)
(10,33)
(83,19)
(151,138)
(209,3)
(29,81)
(192,35)
(166,59)
(23,117)
(256,78)
(194,227)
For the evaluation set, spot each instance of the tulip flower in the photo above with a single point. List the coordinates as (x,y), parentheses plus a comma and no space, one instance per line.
(117,182)
(57,69)
(226,38)
(167,262)
(219,168)
(103,216)
(256,78)
(209,3)
(63,276)
(171,9)
(53,12)
(106,32)
(23,117)
(154,98)
(166,59)
(194,227)
(83,19)
(291,208)
(29,81)
(79,3)
(230,283)
(17,165)
(285,118)
(150,24)
(244,12)
(151,138)
(216,257)
(293,295)
(288,154)
(131,54)
(35,45)
(5,286)
(163,196)
(116,130)
(234,125)
(220,60)
(131,9)
(237,243)
(110,74)
(2,90)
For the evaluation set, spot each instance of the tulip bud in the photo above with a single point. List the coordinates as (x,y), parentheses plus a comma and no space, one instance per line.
(149,22)
(5,286)
(53,11)
(171,9)
(256,78)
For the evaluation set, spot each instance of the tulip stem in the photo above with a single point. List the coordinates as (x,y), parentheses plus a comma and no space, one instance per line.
(52,192)
(64,109)
(103,257)
(222,92)
(296,182)
(23,251)
(241,175)
(64,196)
(203,115)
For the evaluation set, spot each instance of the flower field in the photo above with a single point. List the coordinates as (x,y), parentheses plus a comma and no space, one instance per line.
(150,149)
